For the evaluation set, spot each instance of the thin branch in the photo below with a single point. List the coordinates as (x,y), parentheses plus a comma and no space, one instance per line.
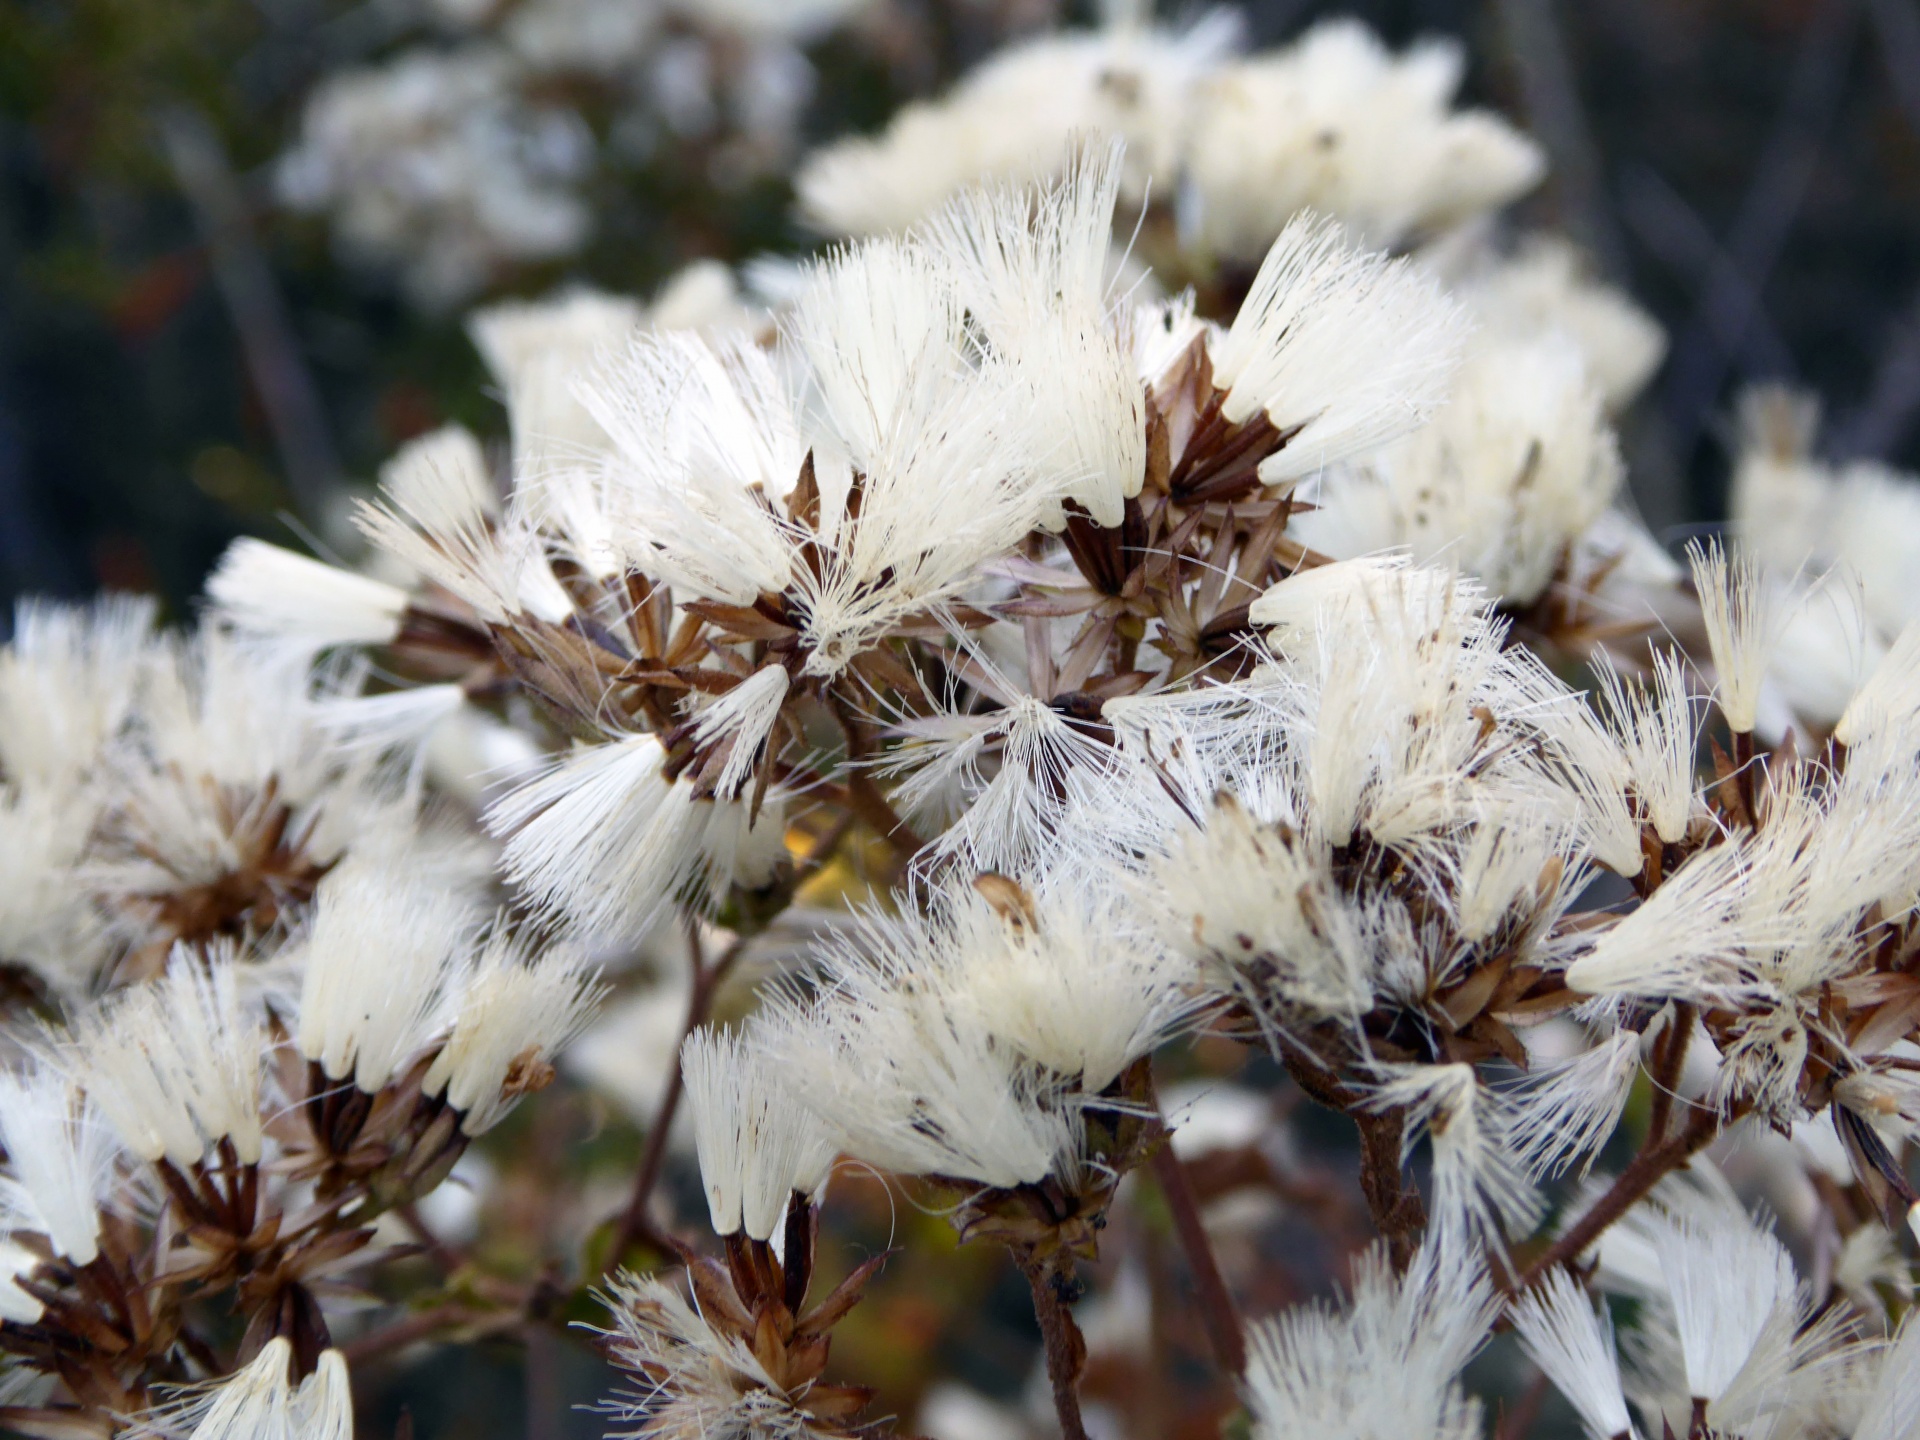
(1649,1168)
(1551,93)
(1768,212)
(635,1225)
(1217,1310)
(1066,1348)
(267,340)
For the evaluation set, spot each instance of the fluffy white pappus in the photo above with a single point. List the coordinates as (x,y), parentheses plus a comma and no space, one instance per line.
(536,350)
(1511,866)
(1874,519)
(378,956)
(1560,1115)
(1063,979)
(259,1401)
(1019,117)
(951,456)
(260,589)
(1517,464)
(1342,348)
(499,569)
(1338,124)
(1572,1343)
(1625,1258)
(690,1382)
(1892,1411)
(1255,904)
(1388,1367)
(1366,585)
(1659,730)
(1003,782)
(1584,761)
(60,1161)
(1478,1179)
(1546,287)
(1687,941)
(917,1086)
(1032,270)
(48,920)
(758,1144)
(1725,1278)
(1742,623)
(512,1013)
(742,719)
(399,720)
(604,839)
(174,1064)
(703,436)
(1887,707)
(443,479)
(1825,648)
(67,682)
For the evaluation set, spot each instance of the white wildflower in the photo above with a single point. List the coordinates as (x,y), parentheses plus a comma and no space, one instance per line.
(263,590)
(1573,1346)
(60,1159)
(174,1064)
(758,1145)
(511,1015)
(1386,1369)
(1344,350)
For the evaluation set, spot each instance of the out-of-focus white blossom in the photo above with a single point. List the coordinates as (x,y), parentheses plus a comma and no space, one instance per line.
(433,164)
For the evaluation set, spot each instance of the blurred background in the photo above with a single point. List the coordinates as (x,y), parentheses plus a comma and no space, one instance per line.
(188,352)
(192,349)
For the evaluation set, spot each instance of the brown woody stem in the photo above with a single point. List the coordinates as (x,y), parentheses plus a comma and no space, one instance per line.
(1649,1167)
(1066,1348)
(1217,1310)
(1397,1211)
(1667,1068)
(634,1222)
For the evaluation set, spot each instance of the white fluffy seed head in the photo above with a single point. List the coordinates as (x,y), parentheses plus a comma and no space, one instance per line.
(1726,1279)
(512,1013)
(260,589)
(604,840)
(1888,704)
(1572,1343)
(536,351)
(1343,349)
(1032,270)
(60,1161)
(1742,627)
(1387,1366)
(1337,123)
(259,1401)
(1658,728)
(174,1064)
(758,1144)
(1893,1405)
(443,478)
(1478,1182)
(67,682)
(377,961)
(1560,1115)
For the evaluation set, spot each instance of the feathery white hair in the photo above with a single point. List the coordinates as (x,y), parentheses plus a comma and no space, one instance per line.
(758,1144)
(1342,348)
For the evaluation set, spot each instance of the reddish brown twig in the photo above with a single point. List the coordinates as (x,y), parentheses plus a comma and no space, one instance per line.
(1217,1309)
(1648,1168)
(1066,1348)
